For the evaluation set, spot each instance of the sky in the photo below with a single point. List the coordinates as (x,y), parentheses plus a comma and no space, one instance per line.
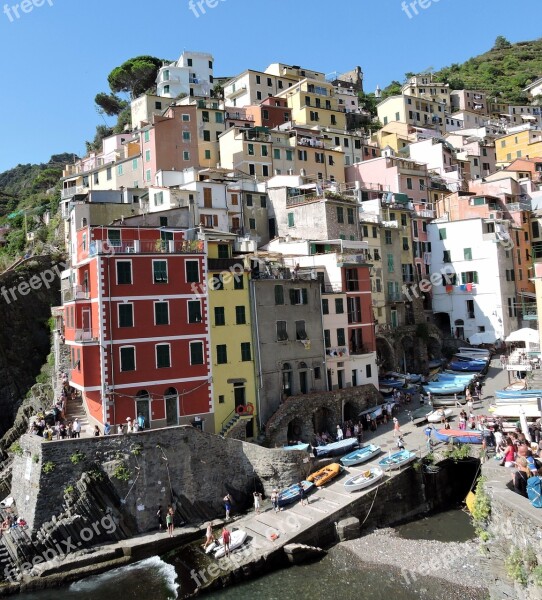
(55,55)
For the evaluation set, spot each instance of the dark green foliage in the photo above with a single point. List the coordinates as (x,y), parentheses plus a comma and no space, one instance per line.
(135,76)
(102,131)
(111,104)
(393,89)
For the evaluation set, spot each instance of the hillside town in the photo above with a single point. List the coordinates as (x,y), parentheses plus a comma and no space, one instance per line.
(239,252)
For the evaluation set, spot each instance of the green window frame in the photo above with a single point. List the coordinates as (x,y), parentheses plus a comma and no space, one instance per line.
(159,271)
(467,253)
(246,353)
(279,295)
(240,315)
(163,356)
(221,354)
(341,338)
(161,313)
(126,315)
(220,316)
(291,219)
(196,353)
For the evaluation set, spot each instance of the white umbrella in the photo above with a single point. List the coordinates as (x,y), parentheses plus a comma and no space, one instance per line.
(526,334)
(485,337)
(524,426)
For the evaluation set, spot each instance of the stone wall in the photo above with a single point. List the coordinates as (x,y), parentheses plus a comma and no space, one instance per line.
(183,466)
(24,331)
(318,410)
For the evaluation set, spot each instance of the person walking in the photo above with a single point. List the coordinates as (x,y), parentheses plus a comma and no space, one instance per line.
(209,536)
(227,506)
(160,517)
(275,499)
(257,501)
(302,495)
(429,442)
(169,520)
(340,435)
(226,539)
(396,427)
(76,428)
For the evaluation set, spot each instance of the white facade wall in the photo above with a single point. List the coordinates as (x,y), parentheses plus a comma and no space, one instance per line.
(491,258)
(182,77)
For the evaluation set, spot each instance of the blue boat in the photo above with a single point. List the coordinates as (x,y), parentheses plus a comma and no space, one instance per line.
(435,363)
(468,365)
(302,447)
(445,388)
(408,377)
(360,456)
(336,448)
(453,377)
(518,393)
(293,493)
(393,383)
(397,460)
(460,436)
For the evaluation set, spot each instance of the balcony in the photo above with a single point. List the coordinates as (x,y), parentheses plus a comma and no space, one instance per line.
(71,191)
(86,336)
(518,206)
(352,259)
(145,247)
(239,116)
(235,93)
(362,349)
(528,312)
(337,352)
(394,297)
(425,213)
(75,293)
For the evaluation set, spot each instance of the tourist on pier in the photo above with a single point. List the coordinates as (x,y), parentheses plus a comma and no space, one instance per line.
(141,421)
(209,536)
(275,499)
(120,429)
(303,500)
(400,443)
(257,500)
(521,476)
(96,431)
(396,427)
(226,539)
(509,453)
(339,433)
(227,506)
(129,425)
(429,442)
(159,517)
(76,428)
(169,520)
(107,429)
(348,433)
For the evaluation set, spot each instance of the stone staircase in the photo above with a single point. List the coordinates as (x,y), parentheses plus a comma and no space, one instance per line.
(74,409)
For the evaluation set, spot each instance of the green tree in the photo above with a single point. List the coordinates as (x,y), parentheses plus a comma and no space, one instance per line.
(111,104)
(102,131)
(393,89)
(501,43)
(135,76)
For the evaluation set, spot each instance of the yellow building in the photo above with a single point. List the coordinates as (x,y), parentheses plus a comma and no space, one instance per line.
(313,102)
(232,353)
(211,123)
(247,149)
(418,112)
(520,144)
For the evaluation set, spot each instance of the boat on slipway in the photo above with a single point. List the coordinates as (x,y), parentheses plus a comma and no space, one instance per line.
(459,436)
(293,493)
(323,476)
(237,539)
(363,480)
(335,448)
(397,460)
(361,455)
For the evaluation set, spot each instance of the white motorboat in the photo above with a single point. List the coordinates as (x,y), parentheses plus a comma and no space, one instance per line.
(363,480)
(238,538)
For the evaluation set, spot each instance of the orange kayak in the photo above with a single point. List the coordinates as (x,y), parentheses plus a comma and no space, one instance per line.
(321,477)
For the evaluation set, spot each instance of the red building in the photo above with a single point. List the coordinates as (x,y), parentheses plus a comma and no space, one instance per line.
(135,318)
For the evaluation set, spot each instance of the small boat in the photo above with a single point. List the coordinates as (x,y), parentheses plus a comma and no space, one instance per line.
(365,479)
(447,400)
(446,387)
(293,493)
(461,436)
(517,385)
(456,377)
(302,447)
(322,476)
(360,456)
(514,411)
(237,539)
(397,460)
(518,393)
(480,351)
(386,391)
(390,382)
(435,363)
(408,377)
(467,365)
(336,448)
(437,415)
(471,357)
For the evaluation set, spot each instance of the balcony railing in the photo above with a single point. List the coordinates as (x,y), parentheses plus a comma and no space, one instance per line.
(239,116)
(75,293)
(86,335)
(71,191)
(517,206)
(146,247)
(337,352)
(425,213)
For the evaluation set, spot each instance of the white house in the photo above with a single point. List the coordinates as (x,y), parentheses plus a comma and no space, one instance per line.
(472,276)
(191,75)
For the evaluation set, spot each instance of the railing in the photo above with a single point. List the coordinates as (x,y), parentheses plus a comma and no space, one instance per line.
(146,247)
(334,288)
(357,259)
(231,416)
(71,191)
(360,350)
(393,297)
(86,335)
(425,213)
(239,116)
(75,293)
(517,206)
(337,352)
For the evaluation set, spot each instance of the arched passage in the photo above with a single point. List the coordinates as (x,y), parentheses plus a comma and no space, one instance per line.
(171,399)
(322,420)
(385,357)
(350,412)
(143,406)
(295,431)
(442,321)
(407,356)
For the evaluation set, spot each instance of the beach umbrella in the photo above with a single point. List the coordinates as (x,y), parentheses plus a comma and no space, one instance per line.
(526,334)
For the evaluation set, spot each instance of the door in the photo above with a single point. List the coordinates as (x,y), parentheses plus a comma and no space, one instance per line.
(354,378)
(393,314)
(329,380)
(303,382)
(340,378)
(86,326)
(172,410)
(239,395)
(143,407)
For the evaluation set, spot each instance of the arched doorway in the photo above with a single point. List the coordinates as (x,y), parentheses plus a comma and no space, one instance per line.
(407,358)
(287,388)
(171,400)
(459,329)
(295,431)
(322,420)
(303,378)
(350,412)
(433,348)
(143,406)
(442,321)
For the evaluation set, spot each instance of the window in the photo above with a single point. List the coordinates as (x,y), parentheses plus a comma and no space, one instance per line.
(240,316)
(186,155)
(148,175)
(405,243)
(391,267)
(251,149)
(252,224)
(124,272)
(246,354)
(126,315)
(159,271)
(325,306)
(263,201)
(206,135)
(185,118)
(264,151)
(300,332)
(446,258)
(163,356)
(109,174)
(127,358)
(291,221)
(442,233)
(289,155)
(340,214)
(161,313)
(220,318)
(403,220)
(368,372)
(467,253)
(186,136)
(339,306)
(282,331)
(205,116)
(276,153)
(221,399)
(327,338)
(221,354)
(469,277)
(409,183)
(350,216)
(194,311)
(387,237)
(192,271)
(249,200)
(279,294)
(341,339)
(147,136)
(196,353)
(147,155)
(223,251)
(298,296)
(470,309)
(207,155)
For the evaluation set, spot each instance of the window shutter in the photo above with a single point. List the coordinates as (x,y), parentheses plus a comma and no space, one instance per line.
(304,296)
(215,220)
(292,296)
